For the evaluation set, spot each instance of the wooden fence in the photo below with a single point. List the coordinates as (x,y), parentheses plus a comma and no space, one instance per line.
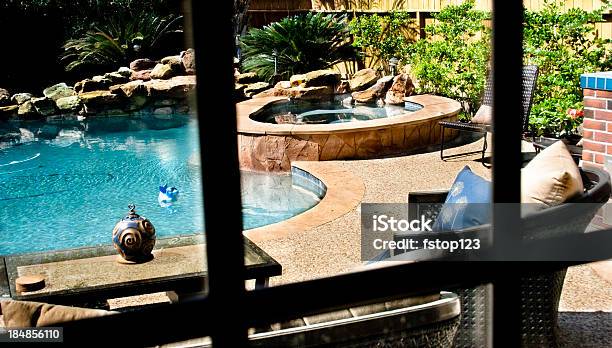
(263,12)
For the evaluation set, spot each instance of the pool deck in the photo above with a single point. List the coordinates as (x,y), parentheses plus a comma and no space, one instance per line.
(334,247)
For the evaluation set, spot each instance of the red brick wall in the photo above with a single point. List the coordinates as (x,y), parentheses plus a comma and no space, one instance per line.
(597,137)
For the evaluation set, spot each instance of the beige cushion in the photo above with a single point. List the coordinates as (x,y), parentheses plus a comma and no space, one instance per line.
(34,314)
(551,178)
(484,115)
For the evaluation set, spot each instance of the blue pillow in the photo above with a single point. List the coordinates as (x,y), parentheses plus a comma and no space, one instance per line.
(467,204)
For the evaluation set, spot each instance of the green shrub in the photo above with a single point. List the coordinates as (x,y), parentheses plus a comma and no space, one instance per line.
(302,43)
(452,60)
(563,45)
(119,42)
(381,38)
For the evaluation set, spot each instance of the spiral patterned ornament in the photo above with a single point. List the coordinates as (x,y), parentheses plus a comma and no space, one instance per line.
(134,237)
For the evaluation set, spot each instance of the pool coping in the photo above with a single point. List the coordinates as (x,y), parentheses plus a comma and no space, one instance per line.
(344,192)
(434,107)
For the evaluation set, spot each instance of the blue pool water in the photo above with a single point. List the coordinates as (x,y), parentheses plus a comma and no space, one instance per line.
(66,185)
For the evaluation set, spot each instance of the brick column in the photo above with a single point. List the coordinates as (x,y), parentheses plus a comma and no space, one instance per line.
(597,136)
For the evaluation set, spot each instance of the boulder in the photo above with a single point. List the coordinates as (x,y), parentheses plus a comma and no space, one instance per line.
(246,78)
(21,98)
(375,92)
(363,79)
(162,71)
(72,103)
(144,75)
(321,78)
(188,59)
(115,77)
(177,87)
(97,101)
(297,80)
(57,91)
(255,88)
(142,64)
(283,84)
(7,112)
(129,89)
(27,110)
(304,93)
(44,106)
(175,63)
(5,97)
(402,87)
(239,90)
(94,84)
(125,71)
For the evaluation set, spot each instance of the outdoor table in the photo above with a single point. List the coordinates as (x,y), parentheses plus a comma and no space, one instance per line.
(89,276)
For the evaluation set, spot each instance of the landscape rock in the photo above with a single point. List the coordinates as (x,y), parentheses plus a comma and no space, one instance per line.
(94,84)
(125,71)
(44,105)
(7,112)
(283,84)
(95,101)
(57,91)
(246,78)
(255,88)
(402,87)
(162,71)
(175,63)
(116,77)
(304,93)
(177,87)
(5,97)
(319,78)
(163,111)
(27,110)
(363,79)
(188,59)
(129,89)
(375,92)
(72,103)
(21,98)
(239,90)
(144,75)
(297,80)
(142,64)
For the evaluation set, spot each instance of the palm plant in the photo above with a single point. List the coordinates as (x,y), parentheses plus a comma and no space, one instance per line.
(301,43)
(119,41)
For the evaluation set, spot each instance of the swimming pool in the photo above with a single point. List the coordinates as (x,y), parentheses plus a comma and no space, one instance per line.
(65,185)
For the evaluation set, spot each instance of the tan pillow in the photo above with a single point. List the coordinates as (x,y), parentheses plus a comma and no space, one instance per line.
(484,115)
(34,314)
(551,178)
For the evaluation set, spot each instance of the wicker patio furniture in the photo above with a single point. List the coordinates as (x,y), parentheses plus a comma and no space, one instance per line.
(539,294)
(530,76)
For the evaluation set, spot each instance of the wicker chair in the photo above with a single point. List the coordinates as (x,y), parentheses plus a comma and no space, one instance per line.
(530,76)
(540,294)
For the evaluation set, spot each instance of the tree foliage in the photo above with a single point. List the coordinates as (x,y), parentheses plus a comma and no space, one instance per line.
(301,43)
(563,45)
(452,60)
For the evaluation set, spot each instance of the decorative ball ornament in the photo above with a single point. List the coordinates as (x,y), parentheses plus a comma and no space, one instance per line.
(134,237)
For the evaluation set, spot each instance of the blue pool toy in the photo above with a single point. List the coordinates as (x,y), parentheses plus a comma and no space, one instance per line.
(167,196)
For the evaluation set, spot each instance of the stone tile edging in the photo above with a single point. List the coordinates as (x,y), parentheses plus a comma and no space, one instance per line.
(345,191)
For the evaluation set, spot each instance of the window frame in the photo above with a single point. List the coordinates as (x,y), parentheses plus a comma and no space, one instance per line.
(228,310)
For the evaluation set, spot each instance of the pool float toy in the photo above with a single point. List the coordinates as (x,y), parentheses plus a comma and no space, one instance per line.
(167,196)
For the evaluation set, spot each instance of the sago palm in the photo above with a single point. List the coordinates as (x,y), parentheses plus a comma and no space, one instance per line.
(302,43)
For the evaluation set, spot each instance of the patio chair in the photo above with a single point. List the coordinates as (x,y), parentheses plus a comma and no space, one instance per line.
(539,294)
(530,75)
